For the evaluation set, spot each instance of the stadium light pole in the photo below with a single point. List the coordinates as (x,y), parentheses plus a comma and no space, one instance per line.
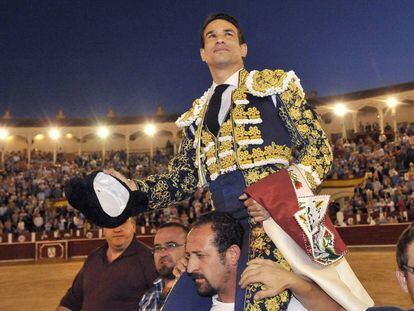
(54,134)
(341,110)
(3,136)
(103,133)
(150,130)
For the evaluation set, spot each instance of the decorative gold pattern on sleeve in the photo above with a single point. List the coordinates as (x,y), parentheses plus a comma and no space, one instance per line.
(177,184)
(313,145)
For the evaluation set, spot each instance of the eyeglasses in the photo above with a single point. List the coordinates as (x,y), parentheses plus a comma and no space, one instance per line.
(409,269)
(166,247)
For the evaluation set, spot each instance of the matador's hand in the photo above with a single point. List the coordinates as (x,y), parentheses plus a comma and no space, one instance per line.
(272,275)
(130,183)
(255,210)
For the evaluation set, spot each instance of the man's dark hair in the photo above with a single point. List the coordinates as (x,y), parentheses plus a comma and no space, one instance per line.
(174,225)
(227,230)
(226,17)
(406,238)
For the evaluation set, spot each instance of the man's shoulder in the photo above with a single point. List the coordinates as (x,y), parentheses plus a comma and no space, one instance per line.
(141,246)
(101,250)
(268,82)
(140,249)
(193,114)
(152,300)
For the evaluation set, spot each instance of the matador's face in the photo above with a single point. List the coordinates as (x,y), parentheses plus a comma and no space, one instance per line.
(221,45)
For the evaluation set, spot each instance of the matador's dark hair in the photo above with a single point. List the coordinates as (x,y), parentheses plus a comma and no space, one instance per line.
(227,230)
(226,17)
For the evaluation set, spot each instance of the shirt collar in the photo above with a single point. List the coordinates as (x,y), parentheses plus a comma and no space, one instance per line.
(130,250)
(233,80)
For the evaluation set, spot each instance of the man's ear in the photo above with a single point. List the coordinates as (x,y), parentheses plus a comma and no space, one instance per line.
(401,280)
(202,55)
(233,254)
(244,50)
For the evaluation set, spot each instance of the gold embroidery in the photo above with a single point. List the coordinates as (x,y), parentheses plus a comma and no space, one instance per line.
(243,156)
(258,154)
(189,114)
(239,113)
(311,180)
(242,79)
(228,162)
(306,131)
(213,168)
(261,246)
(242,134)
(226,129)
(270,152)
(226,146)
(210,153)
(266,79)
(239,94)
(177,184)
(208,141)
(206,138)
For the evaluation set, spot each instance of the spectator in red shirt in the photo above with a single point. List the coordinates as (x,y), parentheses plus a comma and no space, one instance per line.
(115,276)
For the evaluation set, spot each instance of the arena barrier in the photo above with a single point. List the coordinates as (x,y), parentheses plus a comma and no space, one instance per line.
(15,248)
(378,235)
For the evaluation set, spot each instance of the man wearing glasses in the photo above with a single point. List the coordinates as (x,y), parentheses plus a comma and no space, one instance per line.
(405,261)
(169,247)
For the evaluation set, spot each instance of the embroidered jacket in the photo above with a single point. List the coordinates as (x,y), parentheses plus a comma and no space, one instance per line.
(269,126)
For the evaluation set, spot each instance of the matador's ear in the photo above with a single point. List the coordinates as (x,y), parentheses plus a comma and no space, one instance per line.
(105,200)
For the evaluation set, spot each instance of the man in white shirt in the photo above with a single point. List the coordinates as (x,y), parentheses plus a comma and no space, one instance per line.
(213,250)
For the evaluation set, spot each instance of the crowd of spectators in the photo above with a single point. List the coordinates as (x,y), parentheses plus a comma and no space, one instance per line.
(354,156)
(386,162)
(32,199)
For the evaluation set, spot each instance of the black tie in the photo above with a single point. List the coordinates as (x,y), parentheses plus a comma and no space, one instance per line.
(214,109)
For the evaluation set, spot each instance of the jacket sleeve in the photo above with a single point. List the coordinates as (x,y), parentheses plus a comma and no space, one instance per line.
(179,183)
(314,153)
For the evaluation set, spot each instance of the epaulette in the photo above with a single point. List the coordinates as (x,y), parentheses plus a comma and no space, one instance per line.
(272,82)
(194,113)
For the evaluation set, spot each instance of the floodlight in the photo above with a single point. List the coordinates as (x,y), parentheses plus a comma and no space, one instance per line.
(340,109)
(392,102)
(150,129)
(3,134)
(103,132)
(54,133)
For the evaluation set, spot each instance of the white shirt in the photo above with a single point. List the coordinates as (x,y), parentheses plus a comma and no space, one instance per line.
(233,82)
(221,306)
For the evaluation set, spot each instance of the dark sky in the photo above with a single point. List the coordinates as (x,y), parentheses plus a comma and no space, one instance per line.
(86,56)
